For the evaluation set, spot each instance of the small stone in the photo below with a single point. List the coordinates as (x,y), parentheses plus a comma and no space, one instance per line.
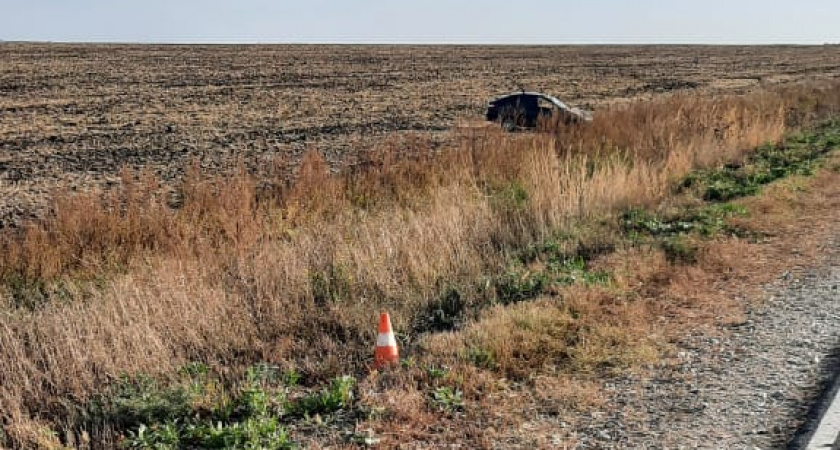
(604,435)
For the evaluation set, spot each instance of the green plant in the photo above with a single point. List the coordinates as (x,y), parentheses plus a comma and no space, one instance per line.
(261,432)
(253,433)
(291,377)
(447,399)
(798,155)
(642,221)
(408,363)
(481,357)
(252,401)
(337,396)
(262,373)
(194,370)
(680,249)
(710,220)
(519,284)
(573,270)
(508,197)
(224,408)
(159,436)
(142,400)
(707,220)
(437,372)
(250,420)
(194,413)
(444,313)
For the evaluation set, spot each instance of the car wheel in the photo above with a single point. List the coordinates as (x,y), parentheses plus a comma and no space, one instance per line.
(509,125)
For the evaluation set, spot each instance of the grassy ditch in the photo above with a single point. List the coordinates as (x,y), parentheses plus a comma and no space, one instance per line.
(527,309)
(527,325)
(505,259)
(197,410)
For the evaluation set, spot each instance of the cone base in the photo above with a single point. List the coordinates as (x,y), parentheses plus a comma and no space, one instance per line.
(385,356)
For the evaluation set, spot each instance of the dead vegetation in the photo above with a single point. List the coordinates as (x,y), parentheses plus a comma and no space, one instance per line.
(72,115)
(501,260)
(513,276)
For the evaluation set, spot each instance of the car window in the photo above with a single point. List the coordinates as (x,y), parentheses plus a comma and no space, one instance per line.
(543,103)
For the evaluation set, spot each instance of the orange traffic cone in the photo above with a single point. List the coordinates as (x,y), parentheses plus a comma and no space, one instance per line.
(386,345)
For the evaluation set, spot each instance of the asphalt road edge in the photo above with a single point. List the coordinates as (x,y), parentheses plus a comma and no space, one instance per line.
(811,435)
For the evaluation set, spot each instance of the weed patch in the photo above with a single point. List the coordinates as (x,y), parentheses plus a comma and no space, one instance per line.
(705,220)
(677,231)
(519,284)
(252,433)
(447,399)
(199,411)
(545,266)
(510,197)
(798,155)
(337,396)
(445,313)
(680,249)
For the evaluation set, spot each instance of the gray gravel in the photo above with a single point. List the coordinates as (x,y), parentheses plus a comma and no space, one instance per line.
(750,389)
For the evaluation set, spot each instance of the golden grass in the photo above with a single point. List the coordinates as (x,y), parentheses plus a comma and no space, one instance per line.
(243,270)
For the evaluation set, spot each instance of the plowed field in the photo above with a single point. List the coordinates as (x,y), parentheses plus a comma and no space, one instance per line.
(71,116)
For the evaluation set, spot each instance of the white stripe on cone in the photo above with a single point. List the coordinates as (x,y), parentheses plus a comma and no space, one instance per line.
(386,340)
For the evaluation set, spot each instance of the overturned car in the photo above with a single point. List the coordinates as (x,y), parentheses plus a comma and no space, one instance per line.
(523,110)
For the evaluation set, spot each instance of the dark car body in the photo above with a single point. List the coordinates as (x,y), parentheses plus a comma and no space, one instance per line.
(524,110)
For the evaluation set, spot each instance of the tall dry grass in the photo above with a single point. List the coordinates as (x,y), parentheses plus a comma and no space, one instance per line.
(236,270)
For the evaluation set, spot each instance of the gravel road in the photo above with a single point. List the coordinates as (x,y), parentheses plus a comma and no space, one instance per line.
(750,387)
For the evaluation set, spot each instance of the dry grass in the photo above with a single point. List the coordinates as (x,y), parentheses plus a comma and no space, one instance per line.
(72,115)
(587,331)
(241,270)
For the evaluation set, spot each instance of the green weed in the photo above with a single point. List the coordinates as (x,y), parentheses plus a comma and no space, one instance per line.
(447,399)
(558,268)
(520,284)
(508,197)
(263,373)
(445,313)
(799,155)
(575,270)
(194,370)
(707,220)
(291,377)
(158,436)
(481,358)
(253,433)
(436,372)
(680,249)
(337,396)
(142,400)
(642,221)
(197,412)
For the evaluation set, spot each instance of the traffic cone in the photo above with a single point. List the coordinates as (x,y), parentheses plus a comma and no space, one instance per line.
(386,344)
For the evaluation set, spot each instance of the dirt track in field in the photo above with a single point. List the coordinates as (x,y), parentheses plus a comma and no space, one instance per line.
(72,115)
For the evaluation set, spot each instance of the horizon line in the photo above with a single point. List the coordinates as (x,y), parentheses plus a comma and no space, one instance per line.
(374,42)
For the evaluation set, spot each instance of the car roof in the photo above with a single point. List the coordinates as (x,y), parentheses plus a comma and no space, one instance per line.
(547,97)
